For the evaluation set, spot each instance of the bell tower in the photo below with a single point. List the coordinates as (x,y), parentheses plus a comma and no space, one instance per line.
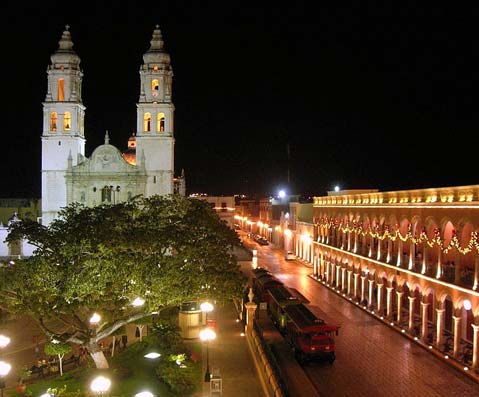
(63,125)
(155,110)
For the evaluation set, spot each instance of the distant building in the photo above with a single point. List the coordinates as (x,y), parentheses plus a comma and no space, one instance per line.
(224,206)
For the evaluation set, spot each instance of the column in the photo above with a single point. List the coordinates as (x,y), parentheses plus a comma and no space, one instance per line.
(343,279)
(343,238)
(439,263)
(399,261)
(412,299)
(412,255)
(349,239)
(356,282)
(475,346)
(315,265)
(328,265)
(371,293)
(371,246)
(390,249)
(355,249)
(333,271)
(378,256)
(363,289)
(380,298)
(424,308)
(457,334)
(476,273)
(338,279)
(457,268)
(389,302)
(349,282)
(399,301)
(250,311)
(439,326)
(424,258)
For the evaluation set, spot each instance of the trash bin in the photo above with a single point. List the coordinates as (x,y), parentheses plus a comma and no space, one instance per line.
(189,320)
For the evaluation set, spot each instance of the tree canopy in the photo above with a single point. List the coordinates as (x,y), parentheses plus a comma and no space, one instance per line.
(163,249)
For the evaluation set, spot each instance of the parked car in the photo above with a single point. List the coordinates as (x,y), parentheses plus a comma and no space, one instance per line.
(290,256)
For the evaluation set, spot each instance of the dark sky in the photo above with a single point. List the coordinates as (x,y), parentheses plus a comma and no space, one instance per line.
(366,95)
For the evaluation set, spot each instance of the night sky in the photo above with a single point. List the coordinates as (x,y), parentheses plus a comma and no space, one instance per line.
(365,95)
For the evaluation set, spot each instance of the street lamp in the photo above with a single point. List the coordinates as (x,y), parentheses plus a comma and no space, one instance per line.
(206,335)
(4,341)
(206,307)
(100,385)
(4,370)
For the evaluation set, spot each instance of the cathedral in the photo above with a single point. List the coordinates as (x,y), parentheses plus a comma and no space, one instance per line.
(108,176)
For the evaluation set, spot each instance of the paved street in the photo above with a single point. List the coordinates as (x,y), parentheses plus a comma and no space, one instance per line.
(372,359)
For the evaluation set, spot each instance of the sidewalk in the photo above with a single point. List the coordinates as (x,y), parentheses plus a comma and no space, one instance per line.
(230,358)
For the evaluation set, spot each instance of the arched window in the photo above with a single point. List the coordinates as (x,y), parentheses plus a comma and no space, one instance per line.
(106,194)
(147,122)
(160,122)
(53,121)
(155,85)
(67,121)
(61,90)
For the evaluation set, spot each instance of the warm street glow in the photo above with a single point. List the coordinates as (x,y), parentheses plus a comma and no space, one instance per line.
(100,384)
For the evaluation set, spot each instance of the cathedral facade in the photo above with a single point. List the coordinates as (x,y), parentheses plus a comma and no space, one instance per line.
(108,176)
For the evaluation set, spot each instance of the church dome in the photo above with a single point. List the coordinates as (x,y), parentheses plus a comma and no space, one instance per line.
(156,54)
(130,154)
(65,56)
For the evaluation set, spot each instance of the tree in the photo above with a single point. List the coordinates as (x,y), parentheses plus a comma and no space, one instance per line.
(56,348)
(164,249)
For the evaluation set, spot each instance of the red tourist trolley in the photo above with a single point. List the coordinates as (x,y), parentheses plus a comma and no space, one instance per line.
(310,335)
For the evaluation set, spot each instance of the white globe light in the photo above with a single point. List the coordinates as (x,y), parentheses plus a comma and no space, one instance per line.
(100,384)
(95,318)
(144,394)
(207,334)
(152,355)
(206,307)
(4,368)
(281,194)
(467,304)
(4,341)
(138,302)
(336,188)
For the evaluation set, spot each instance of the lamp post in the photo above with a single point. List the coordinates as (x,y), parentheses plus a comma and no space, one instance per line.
(4,370)
(206,335)
(100,385)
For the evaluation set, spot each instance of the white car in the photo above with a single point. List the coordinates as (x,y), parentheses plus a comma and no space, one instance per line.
(290,256)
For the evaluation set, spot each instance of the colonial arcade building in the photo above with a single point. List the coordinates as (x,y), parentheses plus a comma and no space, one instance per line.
(410,257)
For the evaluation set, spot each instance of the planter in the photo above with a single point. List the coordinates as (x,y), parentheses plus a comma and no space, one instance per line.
(20,388)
